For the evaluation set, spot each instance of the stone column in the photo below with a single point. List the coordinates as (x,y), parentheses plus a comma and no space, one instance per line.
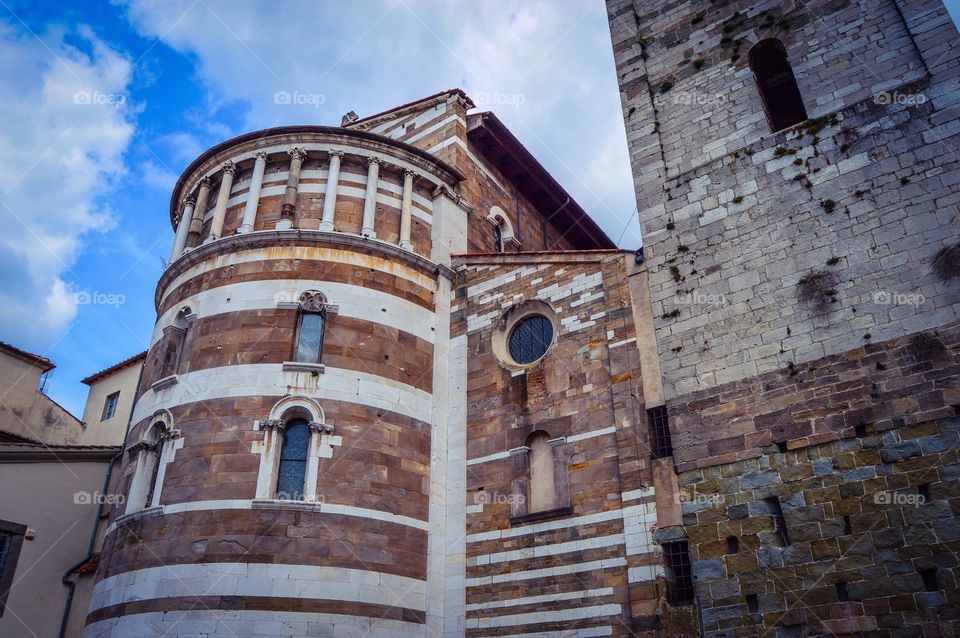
(223,196)
(183,228)
(370,200)
(196,224)
(288,210)
(406,211)
(253,195)
(330,198)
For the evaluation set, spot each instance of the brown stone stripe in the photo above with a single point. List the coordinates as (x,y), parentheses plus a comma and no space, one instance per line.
(319,270)
(257,603)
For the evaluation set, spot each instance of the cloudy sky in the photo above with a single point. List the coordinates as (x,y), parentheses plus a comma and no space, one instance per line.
(107,102)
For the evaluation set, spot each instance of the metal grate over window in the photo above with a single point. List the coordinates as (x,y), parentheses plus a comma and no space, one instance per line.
(676,558)
(530,339)
(660,443)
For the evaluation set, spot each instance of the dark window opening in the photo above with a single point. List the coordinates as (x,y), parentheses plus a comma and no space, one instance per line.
(782,447)
(676,558)
(842,594)
(530,339)
(110,406)
(860,431)
(847,528)
(779,523)
(293,461)
(924,492)
(497,239)
(661,444)
(11,539)
(778,88)
(753,605)
(309,337)
(170,359)
(929,577)
(733,545)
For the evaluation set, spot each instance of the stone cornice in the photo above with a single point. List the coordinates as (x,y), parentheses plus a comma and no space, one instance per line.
(296,237)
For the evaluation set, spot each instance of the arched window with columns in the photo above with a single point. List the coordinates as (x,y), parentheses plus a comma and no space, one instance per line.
(777,85)
(296,435)
(503,234)
(151,454)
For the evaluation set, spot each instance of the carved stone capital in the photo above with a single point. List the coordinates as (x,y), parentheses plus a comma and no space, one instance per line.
(229,167)
(169,435)
(260,155)
(338,154)
(320,428)
(409,173)
(312,301)
(296,152)
(372,159)
(206,182)
(189,200)
(272,424)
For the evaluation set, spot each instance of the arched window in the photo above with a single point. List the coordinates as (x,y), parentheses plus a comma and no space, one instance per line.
(310,325)
(156,435)
(497,238)
(150,455)
(503,235)
(543,494)
(292,473)
(175,335)
(777,85)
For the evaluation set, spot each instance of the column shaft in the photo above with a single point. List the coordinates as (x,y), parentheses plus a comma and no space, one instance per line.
(370,200)
(406,211)
(330,198)
(196,224)
(288,210)
(223,196)
(253,195)
(183,229)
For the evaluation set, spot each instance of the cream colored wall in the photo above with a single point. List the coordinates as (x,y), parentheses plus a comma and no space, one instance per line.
(62,524)
(111,431)
(26,412)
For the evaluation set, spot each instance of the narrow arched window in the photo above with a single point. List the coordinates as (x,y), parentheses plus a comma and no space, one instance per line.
(777,85)
(154,462)
(543,494)
(498,238)
(293,461)
(309,337)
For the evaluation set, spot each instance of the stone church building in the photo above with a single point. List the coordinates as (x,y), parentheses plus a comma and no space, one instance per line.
(401,384)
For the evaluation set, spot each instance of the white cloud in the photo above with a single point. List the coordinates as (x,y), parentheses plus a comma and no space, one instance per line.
(545,67)
(61,143)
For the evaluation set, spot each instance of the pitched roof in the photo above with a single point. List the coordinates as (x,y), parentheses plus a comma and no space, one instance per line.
(499,146)
(96,376)
(397,110)
(41,362)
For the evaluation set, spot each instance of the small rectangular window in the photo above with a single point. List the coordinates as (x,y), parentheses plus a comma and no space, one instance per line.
(110,406)
(309,337)
(676,558)
(660,444)
(11,539)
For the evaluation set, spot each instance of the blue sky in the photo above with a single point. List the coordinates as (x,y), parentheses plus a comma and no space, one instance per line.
(107,102)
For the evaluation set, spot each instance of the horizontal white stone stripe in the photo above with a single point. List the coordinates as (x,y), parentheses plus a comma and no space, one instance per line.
(435,127)
(547,572)
(622,343)
(633,495)
(538,528)
(250,579)
(541,551)
(218,623)
(317,253)
(552,615)
(269,379)
(356,302)
(586,632)
(644,573)
(325,508)
(573,438)
(534,600)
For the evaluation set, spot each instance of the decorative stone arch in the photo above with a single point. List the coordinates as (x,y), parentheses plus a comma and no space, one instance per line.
(498,219)
(322,442)
(155,449)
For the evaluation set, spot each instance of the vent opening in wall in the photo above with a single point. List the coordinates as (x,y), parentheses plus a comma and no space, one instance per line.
(661,445)
(779,522)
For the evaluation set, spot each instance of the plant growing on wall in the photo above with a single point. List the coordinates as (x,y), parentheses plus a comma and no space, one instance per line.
(818,289)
